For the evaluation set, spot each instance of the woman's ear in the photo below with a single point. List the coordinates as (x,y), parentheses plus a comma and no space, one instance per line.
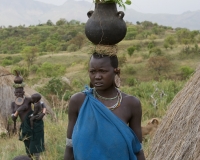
(117,81)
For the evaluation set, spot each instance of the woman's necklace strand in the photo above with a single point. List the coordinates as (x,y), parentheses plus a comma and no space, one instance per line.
(119,96)
(105,98)
(118,102)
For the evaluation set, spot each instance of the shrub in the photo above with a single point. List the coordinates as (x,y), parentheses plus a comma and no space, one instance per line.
(72,48)
(151,45)
(6,62)
(186,71)
(16,59)
(76,83)
(131,81)
(159,64)
(56,87)
(157,51)
(130,51)
(34,68)
(51,70)
(67,95)
(129,70)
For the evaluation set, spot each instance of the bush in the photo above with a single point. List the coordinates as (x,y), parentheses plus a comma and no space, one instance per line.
(6,62)
(130,51)
(76,83)
(72,48)
(186,71)
(11,60)
(157,51)
(34,68)
(67,95)
(131,81)
(56,87)
(51,70)
(16,59)
(129,70)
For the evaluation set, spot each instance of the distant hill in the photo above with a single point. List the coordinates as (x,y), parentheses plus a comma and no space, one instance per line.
(30,12)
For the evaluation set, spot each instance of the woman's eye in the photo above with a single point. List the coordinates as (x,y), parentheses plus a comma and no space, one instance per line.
(103,71)
(92,71)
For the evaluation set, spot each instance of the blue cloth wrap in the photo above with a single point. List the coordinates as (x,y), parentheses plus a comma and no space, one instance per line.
(100,135)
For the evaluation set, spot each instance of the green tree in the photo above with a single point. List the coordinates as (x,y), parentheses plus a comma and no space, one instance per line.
(61,21)
(30,54)
(78,40)
(49,23)
(158,64)
(50,47)
(170,40)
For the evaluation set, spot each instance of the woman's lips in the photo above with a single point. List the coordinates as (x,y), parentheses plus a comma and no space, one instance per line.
(98,84)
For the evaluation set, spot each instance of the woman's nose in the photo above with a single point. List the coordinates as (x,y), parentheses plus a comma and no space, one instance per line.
(97,76)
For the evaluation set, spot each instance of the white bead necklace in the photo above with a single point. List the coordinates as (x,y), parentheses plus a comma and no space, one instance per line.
(116,105)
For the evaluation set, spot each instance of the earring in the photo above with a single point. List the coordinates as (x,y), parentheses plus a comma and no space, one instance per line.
(117,81)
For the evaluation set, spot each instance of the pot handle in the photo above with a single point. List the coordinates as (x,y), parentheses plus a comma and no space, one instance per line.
(89,14)
(120,14)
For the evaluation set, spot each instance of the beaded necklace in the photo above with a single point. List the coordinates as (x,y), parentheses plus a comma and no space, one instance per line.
(105,98)
(116,105)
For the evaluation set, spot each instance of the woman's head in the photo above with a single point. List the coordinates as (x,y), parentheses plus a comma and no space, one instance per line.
(102,70)
(19,92)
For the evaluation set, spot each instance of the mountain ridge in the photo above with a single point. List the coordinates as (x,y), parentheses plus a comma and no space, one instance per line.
(31,12)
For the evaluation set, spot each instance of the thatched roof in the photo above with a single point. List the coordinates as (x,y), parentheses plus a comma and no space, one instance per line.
(178,136)
(7,95)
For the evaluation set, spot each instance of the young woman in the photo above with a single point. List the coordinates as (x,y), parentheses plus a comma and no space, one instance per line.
(104,123)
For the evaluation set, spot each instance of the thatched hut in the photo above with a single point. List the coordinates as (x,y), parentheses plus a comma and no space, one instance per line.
(7,96)
(178,136)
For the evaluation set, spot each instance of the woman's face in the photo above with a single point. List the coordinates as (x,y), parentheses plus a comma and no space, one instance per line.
(101,73)
(19,92)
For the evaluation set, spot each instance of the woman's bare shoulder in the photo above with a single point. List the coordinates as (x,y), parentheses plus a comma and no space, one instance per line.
(131,100)
(132,104)
(77,100)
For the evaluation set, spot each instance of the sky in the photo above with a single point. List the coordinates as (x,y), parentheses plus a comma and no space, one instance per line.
(152,6)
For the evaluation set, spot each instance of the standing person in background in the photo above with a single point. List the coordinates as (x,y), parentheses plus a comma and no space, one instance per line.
(33,139)
(104,123)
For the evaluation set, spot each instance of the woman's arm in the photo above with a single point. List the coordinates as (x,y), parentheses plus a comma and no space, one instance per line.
(73,109)
(135,123)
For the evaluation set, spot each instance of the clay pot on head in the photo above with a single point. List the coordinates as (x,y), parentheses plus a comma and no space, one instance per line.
(18,79)
(105,24)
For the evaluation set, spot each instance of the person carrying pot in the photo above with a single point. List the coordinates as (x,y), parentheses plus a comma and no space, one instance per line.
(104,122)
(33,139)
